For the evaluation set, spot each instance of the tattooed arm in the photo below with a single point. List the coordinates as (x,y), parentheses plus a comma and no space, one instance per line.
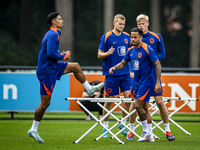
(158,75)
(119,66)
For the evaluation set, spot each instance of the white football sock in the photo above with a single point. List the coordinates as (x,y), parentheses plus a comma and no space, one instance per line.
(132,126)
(167,127)
(106,124)
(87,86)
(144,125)
(35,125)
(124,121)
(150,129)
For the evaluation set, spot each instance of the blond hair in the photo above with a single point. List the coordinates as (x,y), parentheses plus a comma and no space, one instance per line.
(119,16)
(142,16)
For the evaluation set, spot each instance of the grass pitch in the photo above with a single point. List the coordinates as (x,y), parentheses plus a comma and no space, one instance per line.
(60,134)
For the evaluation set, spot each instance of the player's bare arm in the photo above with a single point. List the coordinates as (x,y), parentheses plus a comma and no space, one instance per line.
(119,66)
(102,54)
(158,75)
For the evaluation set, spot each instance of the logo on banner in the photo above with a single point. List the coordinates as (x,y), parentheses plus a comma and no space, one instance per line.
(176,89)
(7,88)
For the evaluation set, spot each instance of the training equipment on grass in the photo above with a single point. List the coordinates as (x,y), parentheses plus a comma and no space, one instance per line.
(118,102)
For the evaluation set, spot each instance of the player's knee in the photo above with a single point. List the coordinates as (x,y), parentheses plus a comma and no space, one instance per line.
(46,105)
(137,106)
(160,104)
(132,107)
(76,66)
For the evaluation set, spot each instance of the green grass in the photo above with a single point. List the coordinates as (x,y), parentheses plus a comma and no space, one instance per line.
(60,134)
(81,115)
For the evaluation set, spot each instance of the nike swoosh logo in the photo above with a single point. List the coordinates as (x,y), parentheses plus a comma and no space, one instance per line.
(114,42)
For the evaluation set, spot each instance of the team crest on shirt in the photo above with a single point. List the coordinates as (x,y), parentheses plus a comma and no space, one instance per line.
(139,55)
(121,50)
(135,64)
(126,41)
(151,40)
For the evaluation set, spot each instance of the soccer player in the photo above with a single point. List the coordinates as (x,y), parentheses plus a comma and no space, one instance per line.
(112,49)
(156,42)
(143,59)
(49,70)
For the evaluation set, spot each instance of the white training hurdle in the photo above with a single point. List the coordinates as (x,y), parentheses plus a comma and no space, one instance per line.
(118,102)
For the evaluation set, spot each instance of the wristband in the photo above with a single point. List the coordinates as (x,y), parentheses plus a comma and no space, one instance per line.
(65,57)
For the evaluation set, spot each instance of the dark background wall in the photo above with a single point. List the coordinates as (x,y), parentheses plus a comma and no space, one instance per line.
(23,25)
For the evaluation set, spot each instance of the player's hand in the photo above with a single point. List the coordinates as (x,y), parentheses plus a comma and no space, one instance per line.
(132,75)
(111,70)
(68,53)
(157,88)
(62,52)
(111,50)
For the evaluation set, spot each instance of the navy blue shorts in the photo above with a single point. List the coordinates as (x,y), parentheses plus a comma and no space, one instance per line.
(142,92)
(113,83)
(48,81)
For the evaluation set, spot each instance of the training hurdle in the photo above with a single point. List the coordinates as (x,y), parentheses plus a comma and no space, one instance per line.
(118,102)
(186,101)
(153,106)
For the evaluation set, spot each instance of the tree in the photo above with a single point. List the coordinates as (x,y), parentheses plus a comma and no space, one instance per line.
(194,50)
(108,15)
(65,8)
(25,23)
(155,16)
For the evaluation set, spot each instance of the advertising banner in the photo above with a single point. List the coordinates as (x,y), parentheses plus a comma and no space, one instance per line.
(174,85)
(21,92)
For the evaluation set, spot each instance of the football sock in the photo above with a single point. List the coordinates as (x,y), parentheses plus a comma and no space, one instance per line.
(132,126)
(150,129)
(144,125)
(124,121)
(35,125)
(106,124)
(167,127)
(87,86)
